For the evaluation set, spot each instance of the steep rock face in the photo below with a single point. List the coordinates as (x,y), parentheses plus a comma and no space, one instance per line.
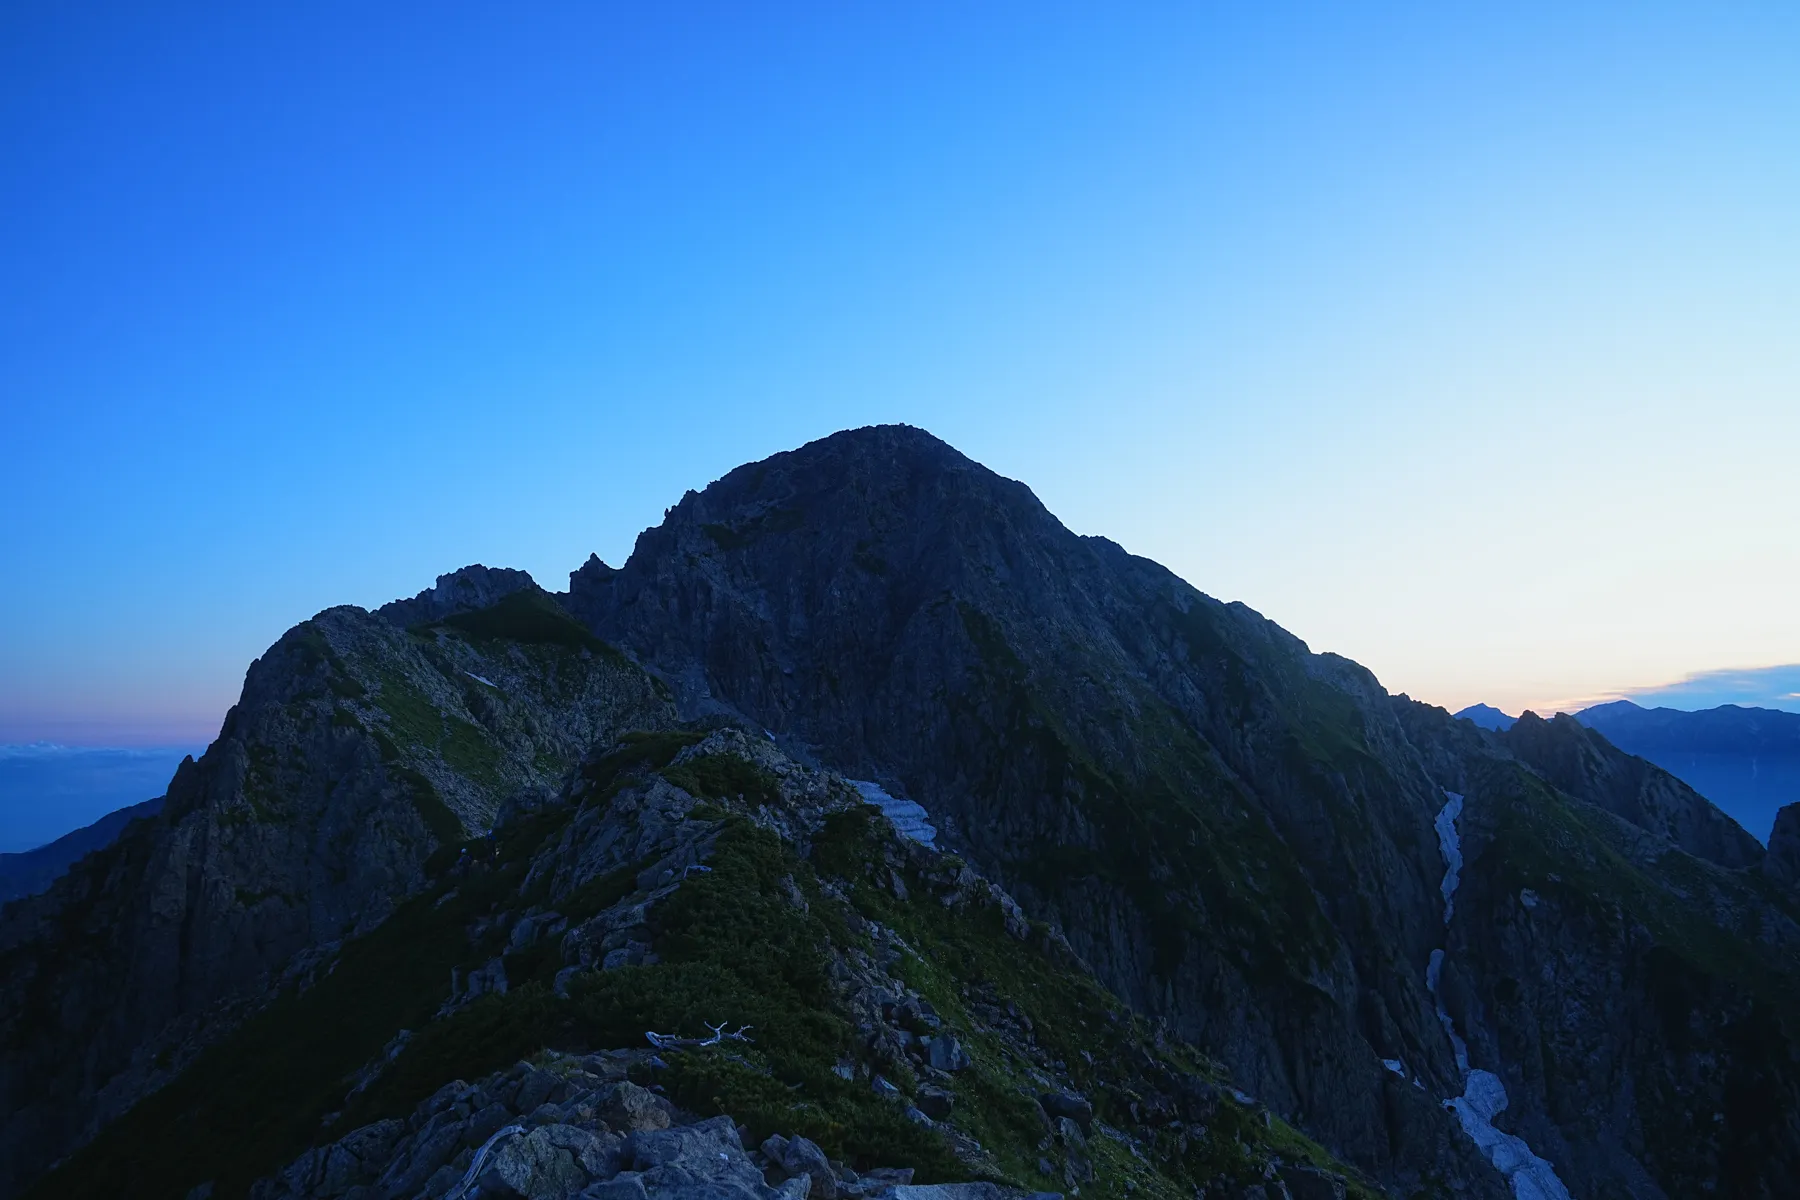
(1237,833)
(467,590)
(1230,828)
(1583,763)
(356,750)
(1635,1000)
(1783,861)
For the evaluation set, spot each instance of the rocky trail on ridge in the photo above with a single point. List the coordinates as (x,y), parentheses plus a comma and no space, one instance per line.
(700,946)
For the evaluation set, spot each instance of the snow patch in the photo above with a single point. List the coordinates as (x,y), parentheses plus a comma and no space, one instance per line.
(1434,971)
(1395,1065)
(909,818)
(1451,845)
(482,679)
(1484,1096)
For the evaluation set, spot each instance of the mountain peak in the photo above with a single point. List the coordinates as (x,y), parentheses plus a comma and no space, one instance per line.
(1488,717)
(464,590)
(847,473)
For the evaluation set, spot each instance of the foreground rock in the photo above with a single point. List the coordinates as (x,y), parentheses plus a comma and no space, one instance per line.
(897,1026)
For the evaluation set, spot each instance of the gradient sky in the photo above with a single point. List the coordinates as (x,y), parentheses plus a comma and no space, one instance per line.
(1463,340)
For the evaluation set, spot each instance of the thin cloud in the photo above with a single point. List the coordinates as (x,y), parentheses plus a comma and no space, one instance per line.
(1759,687)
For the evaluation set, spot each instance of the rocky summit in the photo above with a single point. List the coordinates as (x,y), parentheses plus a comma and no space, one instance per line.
(869,834)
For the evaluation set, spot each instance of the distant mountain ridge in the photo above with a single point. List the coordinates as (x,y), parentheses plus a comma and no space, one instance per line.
(1487,716)
(49,790)
(1727,729)
(30,872)
(1745,760)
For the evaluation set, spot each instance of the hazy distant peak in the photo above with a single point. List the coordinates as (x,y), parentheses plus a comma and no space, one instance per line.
(1726,729)
(1488,717)
(1611,706)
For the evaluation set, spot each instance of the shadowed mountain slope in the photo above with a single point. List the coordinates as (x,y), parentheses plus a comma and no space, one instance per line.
(357,749)
(683,881)
(1584,764)
(1465,963)
(1236,832)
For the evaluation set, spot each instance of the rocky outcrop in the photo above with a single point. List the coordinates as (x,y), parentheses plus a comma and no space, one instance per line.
(467,590)
(575,1126)
(355,752)
(1630,997)
(1783,861)
(876,1019)
(1584,764)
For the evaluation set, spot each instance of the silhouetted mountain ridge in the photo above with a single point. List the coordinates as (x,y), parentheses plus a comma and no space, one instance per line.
(1487,716)
(1357,906)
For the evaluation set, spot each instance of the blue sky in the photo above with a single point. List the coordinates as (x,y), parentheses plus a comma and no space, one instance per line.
(1461,342)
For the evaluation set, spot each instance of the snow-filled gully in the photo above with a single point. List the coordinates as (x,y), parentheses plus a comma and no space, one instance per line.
(1484,1096)
(909,817)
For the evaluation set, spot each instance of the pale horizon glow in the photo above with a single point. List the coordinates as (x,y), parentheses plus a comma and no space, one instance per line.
(1461,343)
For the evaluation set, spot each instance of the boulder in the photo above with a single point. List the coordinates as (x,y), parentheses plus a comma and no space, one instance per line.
(534,1089)
(358,1157)
(1072,1105)
(935,1102)
(632,1109)
(628,1185)
(554,1162)
(435,1145)
(484,1124)
(803,1157)
(947,1054)
(1077,1169)
(693,1161)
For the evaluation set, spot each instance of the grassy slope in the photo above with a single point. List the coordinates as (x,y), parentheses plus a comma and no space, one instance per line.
(733,946)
